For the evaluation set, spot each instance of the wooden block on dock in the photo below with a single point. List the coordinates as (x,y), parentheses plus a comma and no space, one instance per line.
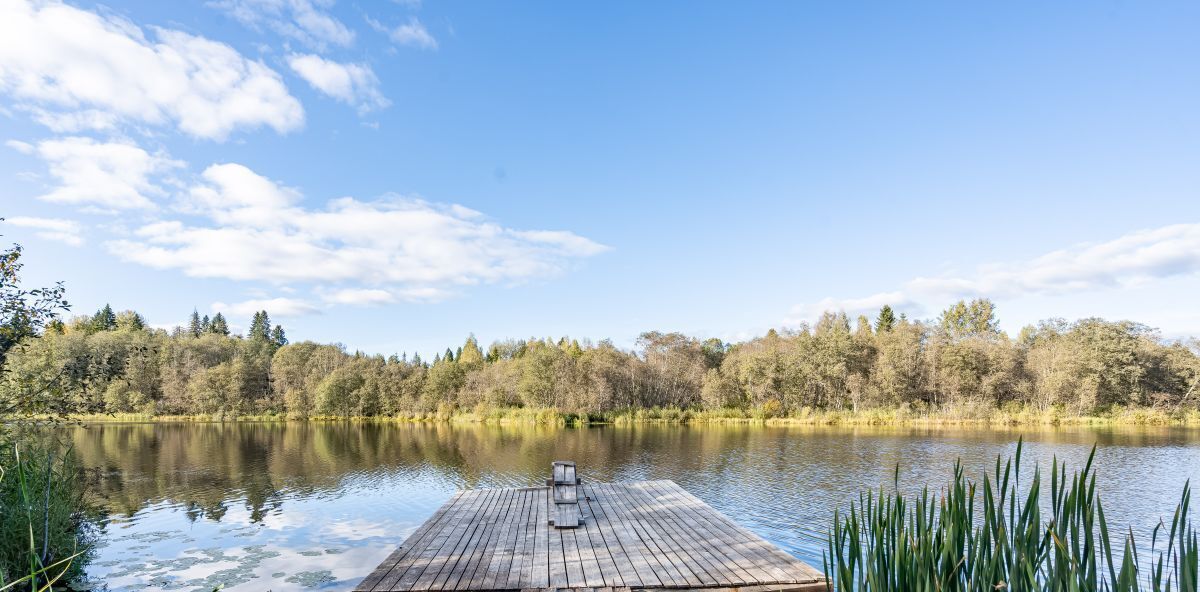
(564,473)
(565,516)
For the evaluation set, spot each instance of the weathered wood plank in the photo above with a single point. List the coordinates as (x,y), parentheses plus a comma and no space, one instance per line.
(712,544)
(593,575)
(672,568)
(406,548)
(520,570)
(751,545)
(556,556)
(736,543)
(450,528)
(639,536)
(454,557)
(505,544)
(571,557)
(645,565)
(688,538)
(540,566)
(613,560)
(476,569)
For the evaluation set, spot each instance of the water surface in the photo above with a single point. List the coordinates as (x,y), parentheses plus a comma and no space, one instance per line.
(315,506)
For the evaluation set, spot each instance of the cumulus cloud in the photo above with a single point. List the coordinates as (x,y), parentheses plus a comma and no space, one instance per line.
(278,307)
(356,252)
(56,229)
(1132,259)
(307,22)
(412,33)
(111,175)
(74,70)
(353,84)
(364,296)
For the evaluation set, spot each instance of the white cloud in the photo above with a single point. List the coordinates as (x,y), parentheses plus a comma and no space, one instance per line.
(19,146)
(353,84)
(364,296)
(56,229)
(301,20)
(113,175)
(355,252)
(1129,260)
(412,33)
(278,307)
(75,70)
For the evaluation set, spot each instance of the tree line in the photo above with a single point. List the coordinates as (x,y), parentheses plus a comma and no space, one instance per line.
(959,358)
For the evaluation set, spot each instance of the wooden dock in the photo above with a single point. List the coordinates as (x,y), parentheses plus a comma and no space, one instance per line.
(629,536)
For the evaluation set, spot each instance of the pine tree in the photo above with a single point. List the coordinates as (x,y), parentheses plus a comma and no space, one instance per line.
(260,327)
(105,319)
(886,319)
(278,337)
(194,324)
(218,325)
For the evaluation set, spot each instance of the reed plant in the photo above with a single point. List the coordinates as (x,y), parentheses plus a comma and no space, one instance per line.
(44,537)
(994,537)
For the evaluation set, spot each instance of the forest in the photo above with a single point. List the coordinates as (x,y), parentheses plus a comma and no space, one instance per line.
(113,363)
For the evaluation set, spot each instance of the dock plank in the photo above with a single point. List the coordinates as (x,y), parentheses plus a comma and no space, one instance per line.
(631,536)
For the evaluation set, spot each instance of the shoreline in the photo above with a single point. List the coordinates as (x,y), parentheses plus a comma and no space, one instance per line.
(991,419)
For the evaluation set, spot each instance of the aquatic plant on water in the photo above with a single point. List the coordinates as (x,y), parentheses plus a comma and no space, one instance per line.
(994,537)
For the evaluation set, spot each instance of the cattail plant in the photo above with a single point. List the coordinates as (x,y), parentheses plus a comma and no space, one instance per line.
(993,537)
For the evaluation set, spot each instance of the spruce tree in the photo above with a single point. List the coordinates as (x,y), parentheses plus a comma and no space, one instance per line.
(205,325)
(218,325)
(278,337)
(105,319)
(886,319)
(194,324)
(449,357)
(260,326)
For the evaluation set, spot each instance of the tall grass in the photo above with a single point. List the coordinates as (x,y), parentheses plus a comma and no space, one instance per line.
(995,538)
(44,536)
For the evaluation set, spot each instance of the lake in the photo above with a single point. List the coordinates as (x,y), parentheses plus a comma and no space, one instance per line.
(315,506)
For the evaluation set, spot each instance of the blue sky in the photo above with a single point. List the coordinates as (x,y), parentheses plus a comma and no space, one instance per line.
(396,175)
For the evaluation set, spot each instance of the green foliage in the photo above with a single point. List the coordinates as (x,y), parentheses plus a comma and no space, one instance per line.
(219,326)
(976,318)
(129,320)
(886,319)
(195,324)
(44,536)
(962,365)
(24,313)
(104,319)
(260,327)
(994,537)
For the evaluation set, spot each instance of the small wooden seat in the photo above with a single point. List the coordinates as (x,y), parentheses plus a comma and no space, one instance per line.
(565,484)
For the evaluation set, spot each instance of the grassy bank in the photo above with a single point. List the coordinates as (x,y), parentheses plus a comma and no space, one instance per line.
(963,415)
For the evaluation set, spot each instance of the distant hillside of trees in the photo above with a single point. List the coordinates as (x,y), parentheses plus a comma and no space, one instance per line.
(960,358)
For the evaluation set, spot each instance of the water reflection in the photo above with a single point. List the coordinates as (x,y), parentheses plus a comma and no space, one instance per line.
(315,506)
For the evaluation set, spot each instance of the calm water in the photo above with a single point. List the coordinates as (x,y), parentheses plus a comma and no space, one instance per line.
(316,506)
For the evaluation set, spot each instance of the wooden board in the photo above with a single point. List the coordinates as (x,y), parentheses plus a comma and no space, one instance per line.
(631,536)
